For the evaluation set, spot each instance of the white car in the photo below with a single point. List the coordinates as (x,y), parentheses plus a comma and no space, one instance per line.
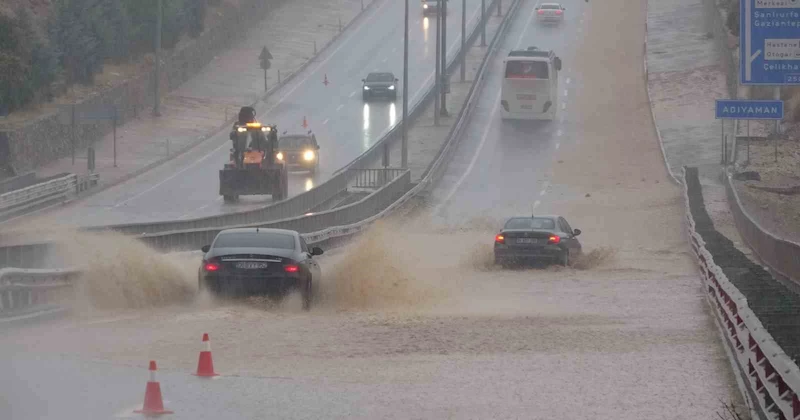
(550,12)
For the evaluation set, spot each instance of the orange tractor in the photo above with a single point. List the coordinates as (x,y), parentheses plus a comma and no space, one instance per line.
(253,169)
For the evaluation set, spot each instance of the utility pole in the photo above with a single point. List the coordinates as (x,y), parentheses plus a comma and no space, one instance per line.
(463,40)
(443,72)
(483,23)
(157,71)
(404,146)
(437,81)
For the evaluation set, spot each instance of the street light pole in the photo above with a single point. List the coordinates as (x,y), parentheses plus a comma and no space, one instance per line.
(437,81)
(463,40)
(404,146)
(443,72)
(483,23)
(157,71)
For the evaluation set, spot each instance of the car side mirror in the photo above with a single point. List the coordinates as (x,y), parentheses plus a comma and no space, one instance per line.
(576,232)
(205,248)
(563,8)
(396,79)
(535,8)
(364,80)
(316,251)
(558,63)
(317,147)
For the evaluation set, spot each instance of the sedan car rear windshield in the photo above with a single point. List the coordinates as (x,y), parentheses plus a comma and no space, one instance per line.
(550,6)
(255,240)
(380,77)
(530,223)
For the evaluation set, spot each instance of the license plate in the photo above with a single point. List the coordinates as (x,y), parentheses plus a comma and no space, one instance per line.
(526,240)
(526,106)
(525,97)
(248,265)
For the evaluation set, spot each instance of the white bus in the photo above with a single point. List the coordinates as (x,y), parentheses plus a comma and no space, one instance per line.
(530,85)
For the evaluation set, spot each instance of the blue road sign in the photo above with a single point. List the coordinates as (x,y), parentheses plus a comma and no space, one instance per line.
(749,110)
(770,42)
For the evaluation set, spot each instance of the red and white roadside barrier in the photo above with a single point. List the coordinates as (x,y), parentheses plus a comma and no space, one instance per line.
(769,373)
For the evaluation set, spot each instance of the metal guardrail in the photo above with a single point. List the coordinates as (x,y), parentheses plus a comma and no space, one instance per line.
(193,239)
(781,255)
(373,178)
(771,377)
(304,202)
(22,289)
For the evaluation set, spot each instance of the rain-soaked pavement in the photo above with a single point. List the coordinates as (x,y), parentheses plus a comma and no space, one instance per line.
(415,321)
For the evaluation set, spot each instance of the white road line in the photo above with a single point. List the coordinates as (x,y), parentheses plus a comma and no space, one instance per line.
(326,121)
(352,93)
(536,204)
(568,80)
(565,92)
(475,156)
(559,132)
(384,60)
(485,135)
(558,145)
(563,106)
(283,98)
(340,106)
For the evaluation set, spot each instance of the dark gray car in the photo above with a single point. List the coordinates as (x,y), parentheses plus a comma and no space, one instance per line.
(248,261)
(382,84)
(430,7)
(536,238)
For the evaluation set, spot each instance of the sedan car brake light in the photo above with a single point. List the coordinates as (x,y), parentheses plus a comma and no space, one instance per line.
(541,12)
(500,239)
(211,266)
(554,239)
(291,268)
(558,12)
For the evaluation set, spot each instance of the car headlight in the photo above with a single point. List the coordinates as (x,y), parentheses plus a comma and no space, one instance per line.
(366,87)
(267,129)
(241,129)
(424,6)
(279,156)
(308,155)
(391,87)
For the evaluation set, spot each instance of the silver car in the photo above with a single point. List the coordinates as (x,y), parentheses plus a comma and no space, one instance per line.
(550,12)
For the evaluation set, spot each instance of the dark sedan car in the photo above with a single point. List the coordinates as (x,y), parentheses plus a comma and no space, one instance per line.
(379,84)
(249,261)
(299,151)
(549,238)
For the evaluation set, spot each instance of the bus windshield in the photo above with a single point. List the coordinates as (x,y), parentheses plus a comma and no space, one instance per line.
(527,70)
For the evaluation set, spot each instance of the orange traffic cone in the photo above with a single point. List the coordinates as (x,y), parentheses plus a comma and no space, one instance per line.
(153,404)
(205,365)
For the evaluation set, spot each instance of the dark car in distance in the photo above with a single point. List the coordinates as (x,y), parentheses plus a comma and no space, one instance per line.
(250,261)
(430,7)
(379,84)
(299,151)
(536,238)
